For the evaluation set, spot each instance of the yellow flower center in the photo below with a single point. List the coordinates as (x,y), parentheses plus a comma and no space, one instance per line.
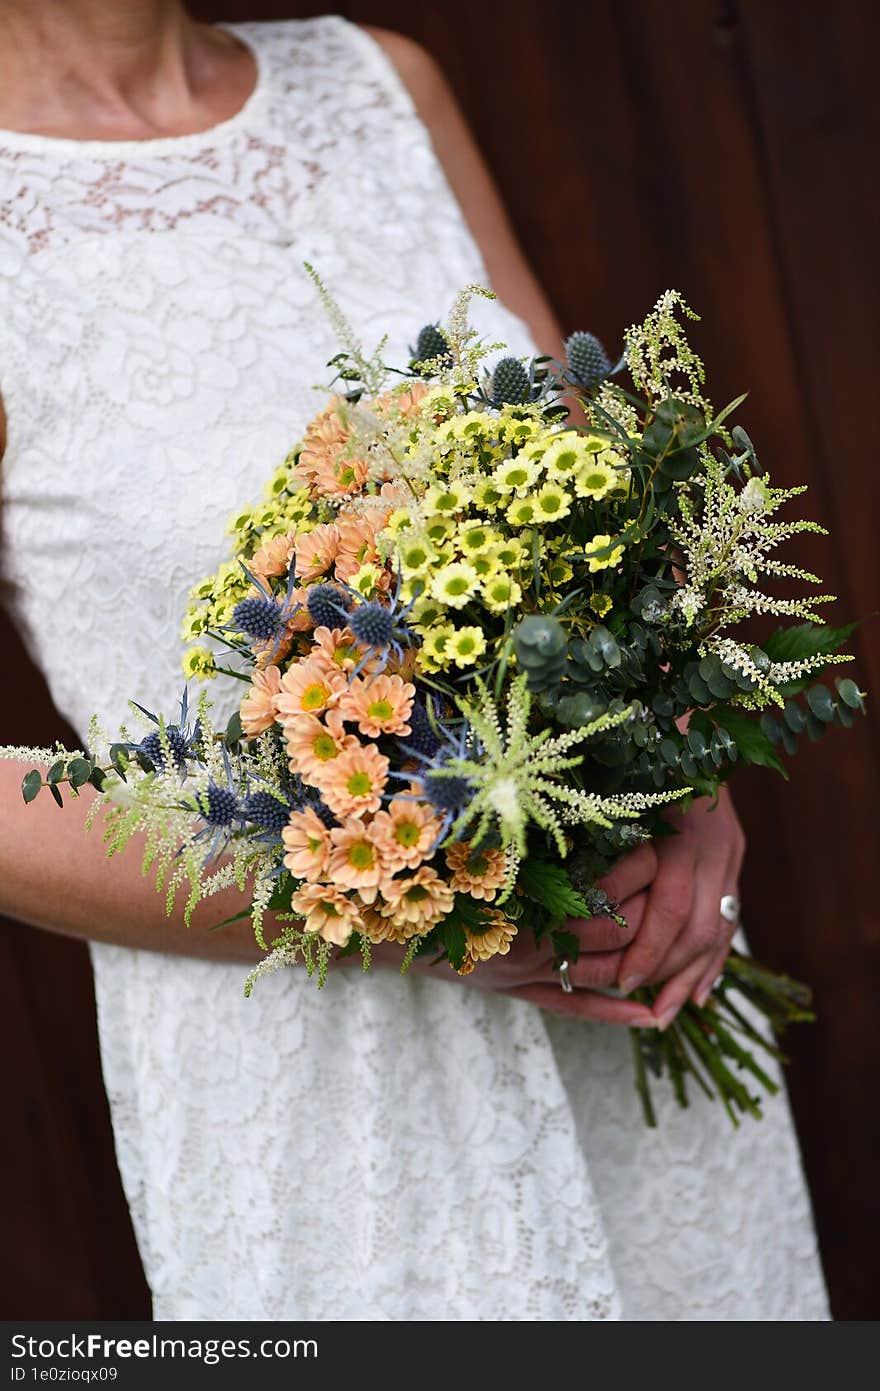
(324,747)
(345,475)
(565,460)
(457,585)
(477,865)
(361,855)
(516,477)
(596,480)
(465,646)
(359,785)
(329,909)
(315,846)
(551,503)
(380,710)
(417,894)
(314,697)
(343,654)
(407,834)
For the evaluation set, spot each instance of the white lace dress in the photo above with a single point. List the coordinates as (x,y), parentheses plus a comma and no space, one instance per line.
(386,1149)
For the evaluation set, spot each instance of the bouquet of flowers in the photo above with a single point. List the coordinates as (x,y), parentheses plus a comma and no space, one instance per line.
(484,648)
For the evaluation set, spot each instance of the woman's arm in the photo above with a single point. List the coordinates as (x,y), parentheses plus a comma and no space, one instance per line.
(56,875)
(512,277)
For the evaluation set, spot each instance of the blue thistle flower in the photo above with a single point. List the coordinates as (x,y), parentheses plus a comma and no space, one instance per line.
(431,343)
(327,603)
(266,810)
(587,360)
(510,383)
(184,742)
(220,805)
(423,739)
(261,619)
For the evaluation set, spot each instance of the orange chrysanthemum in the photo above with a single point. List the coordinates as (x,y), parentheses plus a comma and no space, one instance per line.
(258,709)
(408,832)
(336,475)
(352,785)
(316,551)
(313,743)
(378,705)
(273,557)
(306,844)
(327,912)
(357,860)
(337,650)
(495,941)
(415,904)
(323,434)
(480,873)
(308,688)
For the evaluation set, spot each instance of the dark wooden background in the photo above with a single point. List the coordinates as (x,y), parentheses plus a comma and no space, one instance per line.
(727,149)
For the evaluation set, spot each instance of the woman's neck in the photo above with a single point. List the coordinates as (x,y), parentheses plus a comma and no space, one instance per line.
(116,69)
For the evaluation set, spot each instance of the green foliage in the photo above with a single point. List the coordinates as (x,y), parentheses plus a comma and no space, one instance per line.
(548,884)
(819,712)
(31,784)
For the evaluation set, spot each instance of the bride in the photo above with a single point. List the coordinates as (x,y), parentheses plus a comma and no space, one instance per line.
(429,1149)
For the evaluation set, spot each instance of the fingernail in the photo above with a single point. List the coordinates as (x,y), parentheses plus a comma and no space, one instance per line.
(666,1018)
(630,983)
(701,996)
(649,1022)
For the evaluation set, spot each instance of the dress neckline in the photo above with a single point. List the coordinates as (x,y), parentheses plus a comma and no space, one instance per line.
(162,144)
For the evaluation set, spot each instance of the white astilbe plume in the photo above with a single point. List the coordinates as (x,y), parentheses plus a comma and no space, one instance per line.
(659,357)
(725,542)
(515,778)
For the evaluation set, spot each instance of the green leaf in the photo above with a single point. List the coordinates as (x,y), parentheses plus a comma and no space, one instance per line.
(549,885)
(227,922)
(31,784)
(455,940)
(821,702)
(234,731)
(806,640)
(849,693)
(56,794)
(79,771)
(56,772)
(749,737)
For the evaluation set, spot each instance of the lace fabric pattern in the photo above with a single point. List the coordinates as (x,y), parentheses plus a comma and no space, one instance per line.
(386,1149)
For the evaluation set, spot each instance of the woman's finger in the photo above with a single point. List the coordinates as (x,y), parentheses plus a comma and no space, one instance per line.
(706,931)
(678,989)
(585,1004)
(702,990)
(667,913)
(632,874)
(605,934)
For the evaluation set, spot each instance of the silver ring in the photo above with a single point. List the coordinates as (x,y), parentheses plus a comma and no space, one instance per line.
(565,977)
(730,909)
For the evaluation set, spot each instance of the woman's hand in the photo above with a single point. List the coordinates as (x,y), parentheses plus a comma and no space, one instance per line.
(681,940)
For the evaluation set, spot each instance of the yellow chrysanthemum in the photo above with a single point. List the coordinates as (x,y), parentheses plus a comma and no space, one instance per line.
(433,654)
(601,554)
(195,623)
(517,425)
(416,554)
(447,498)
(565,455)
(551,503)
(368,579)
(425,612)
(509,553)
(199,662)
(558,571)
(455,584)
(485,564)
(596,479)
(516,475)
(439,529)
(500,593)
(488,496)
(400,520)
(521,512)
(465,646)
(600,604)
(475,536)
